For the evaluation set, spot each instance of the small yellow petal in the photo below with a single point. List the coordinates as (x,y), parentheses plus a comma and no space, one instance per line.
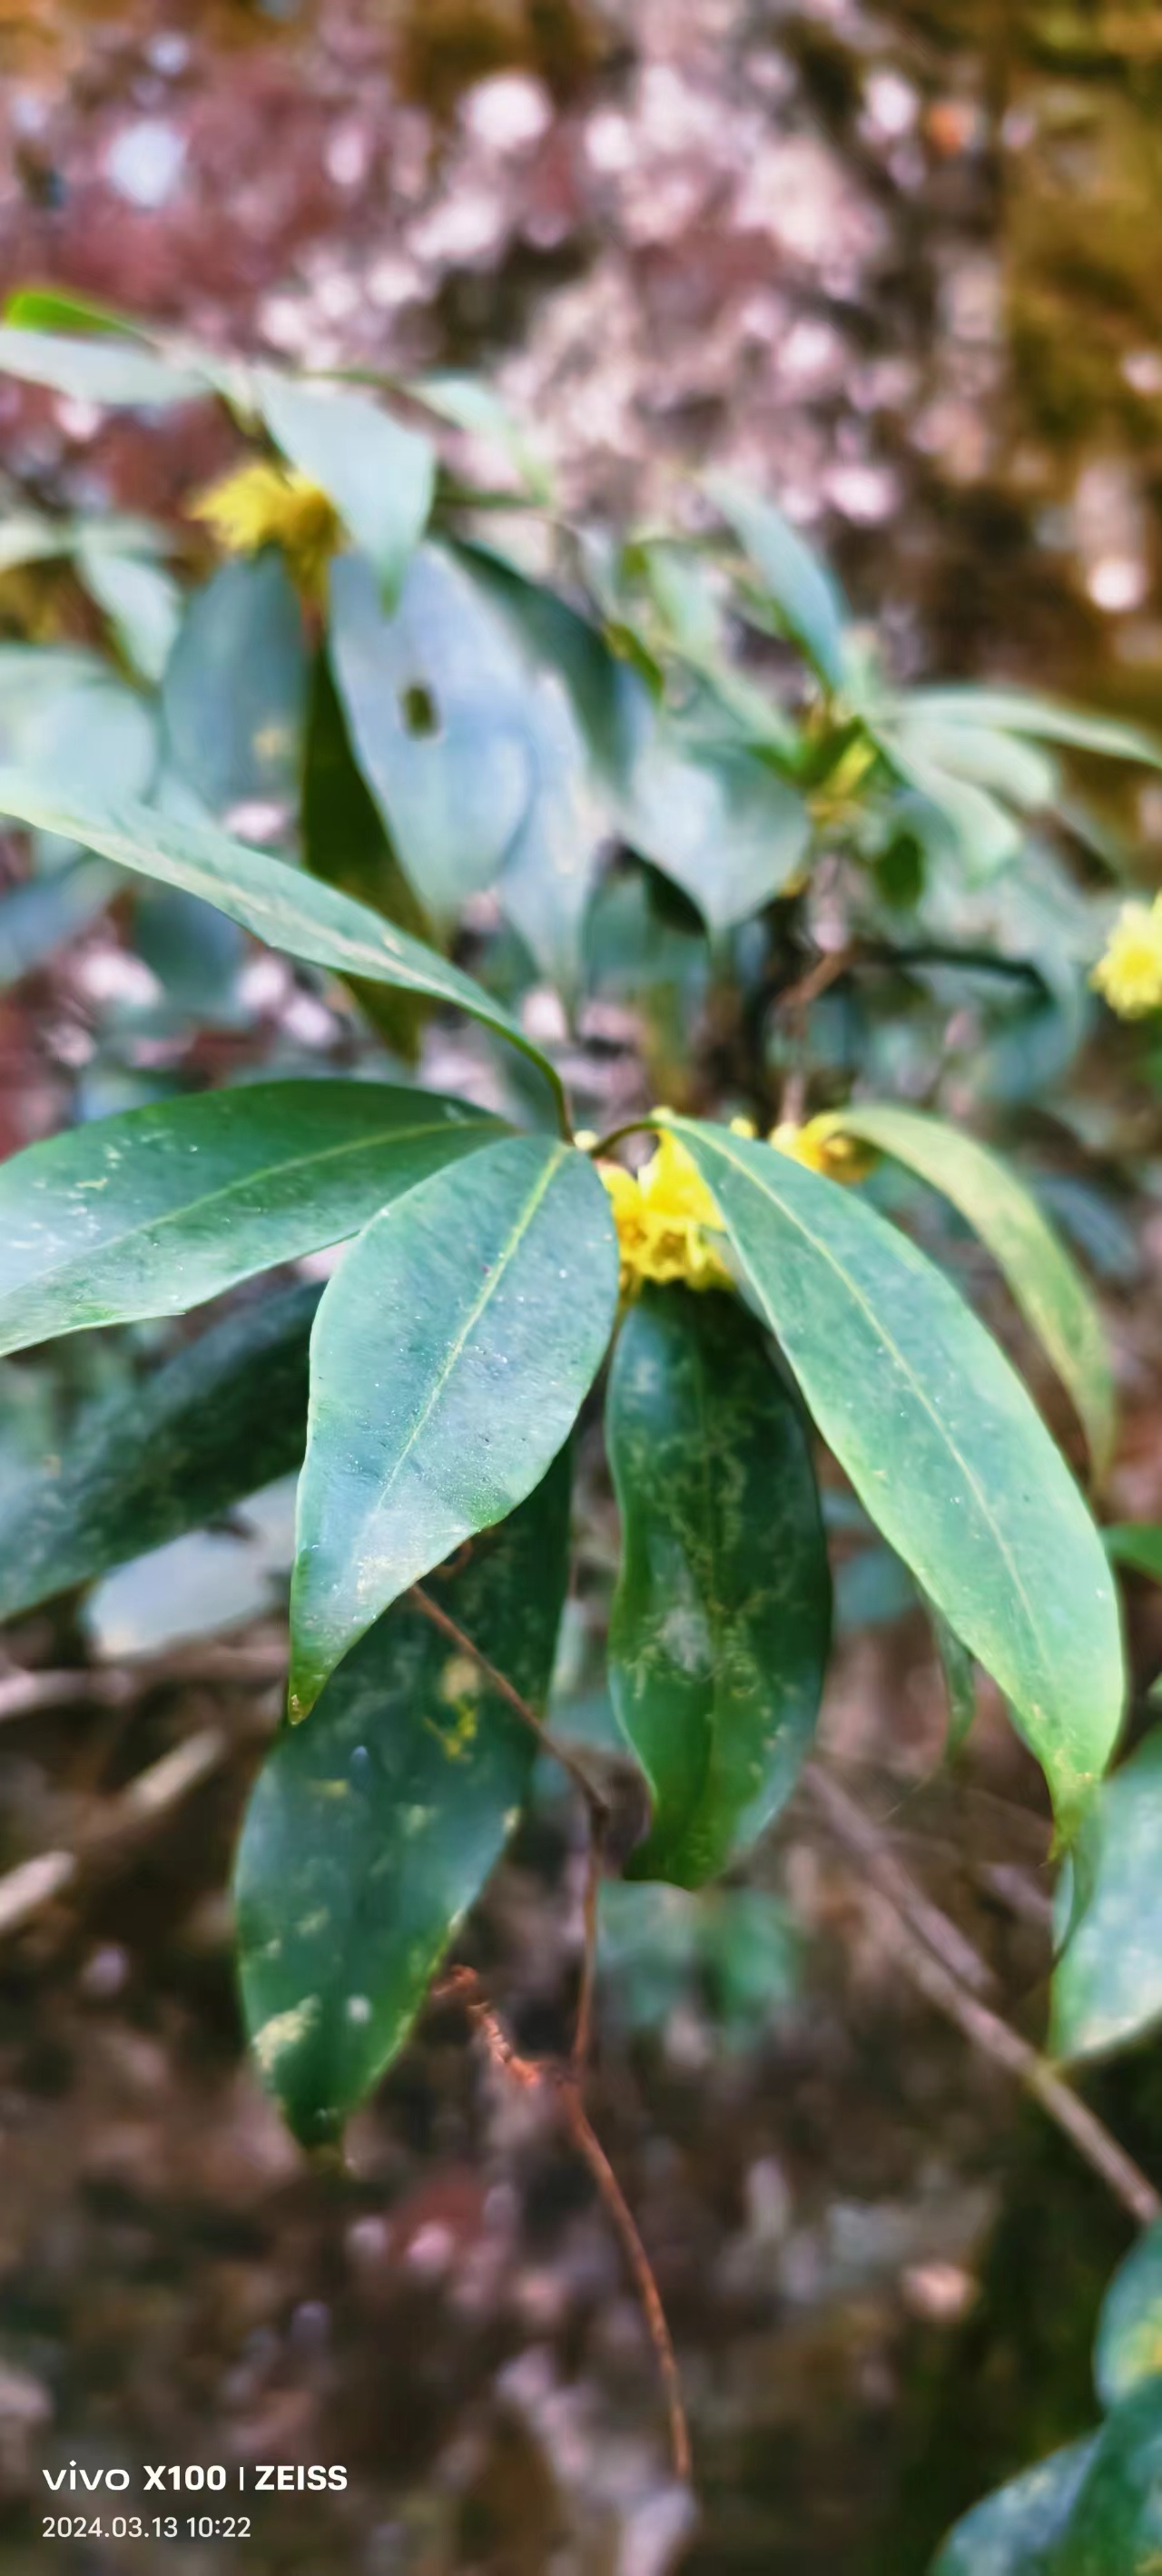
(269,505)
(663,1215)
(823,1147)
(1129,974)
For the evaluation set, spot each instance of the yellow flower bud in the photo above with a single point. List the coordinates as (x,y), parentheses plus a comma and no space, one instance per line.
(664,1215)
(269,505)
(1129,974)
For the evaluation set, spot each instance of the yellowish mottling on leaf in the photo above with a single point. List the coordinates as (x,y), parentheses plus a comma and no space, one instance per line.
(270,505)
(1129,975)
(665,1216)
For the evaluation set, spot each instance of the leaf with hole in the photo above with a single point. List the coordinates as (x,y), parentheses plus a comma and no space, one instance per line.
(454,1347)
(435,707)
(270,899)
(152,1212)
(224,1417)
(721,1621)
(941,1442)
(1044,1279)
(372,1830)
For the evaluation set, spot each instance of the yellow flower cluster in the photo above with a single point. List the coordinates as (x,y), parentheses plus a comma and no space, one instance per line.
(269,505)
(664,1215)
(1129,975)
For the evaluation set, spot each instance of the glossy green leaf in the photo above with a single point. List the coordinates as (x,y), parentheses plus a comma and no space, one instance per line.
(1115,2528)
(1022,711)
(435,706)
(345,843)
(1014,2531)
(808,602)
(454,1347)
(141,600)
(234,695)
(101,369)
(372,1830)
(959,1675)
(941,1442)
(380,476)
(1138,1545)
(273,901)
(154,1211)
(1107,1986)
(55,308)
(721,824)
(721,1621)
(1128,2349)
(1044,1279)
(224,1417)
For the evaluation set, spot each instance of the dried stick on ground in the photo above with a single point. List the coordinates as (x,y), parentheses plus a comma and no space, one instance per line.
(910,1922)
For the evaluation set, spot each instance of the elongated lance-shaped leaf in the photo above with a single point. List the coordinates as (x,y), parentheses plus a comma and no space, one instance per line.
(380,476)
(453,1349)
(809,603)
(345,841)
(154,1211)
(1044,1278)
(1012,2533)
(1107,1985)
(228,1415)
(125,373)
(234,695)
(942,1443)
(372,1830)
(720,1627)
(1128,2349)
(271,900)
(1022,711)
(1115,2527)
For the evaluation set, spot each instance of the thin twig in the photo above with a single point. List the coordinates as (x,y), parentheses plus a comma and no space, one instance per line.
(928,1966)
(28,1889)
(463,1986)
(117,1685)
(639,2262)
(861,1835)
(499,1682)
(583,2031)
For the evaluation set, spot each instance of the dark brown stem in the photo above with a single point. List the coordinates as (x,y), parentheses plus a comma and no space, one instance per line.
(926,1943)
(499,1682)
(463,1986)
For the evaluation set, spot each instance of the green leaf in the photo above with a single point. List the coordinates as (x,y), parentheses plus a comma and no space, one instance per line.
(234,696)
(1041,1273)
(1002,762)
(154,1211)
(53,308)
(1128,2350)
(721,824)
(64,715)
(141,600)
(436,710)
(1107,1986)
(102,369)
(1021,711)
(1013,2532)
(472,405)
(1115,2528)
(372,1830)
(344,842)
(454,1347)
(381,477)
(273,901)
(810,605)
(941,1442)
(721,1621)
(1138,1545)
(584,713)
(225,1417)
